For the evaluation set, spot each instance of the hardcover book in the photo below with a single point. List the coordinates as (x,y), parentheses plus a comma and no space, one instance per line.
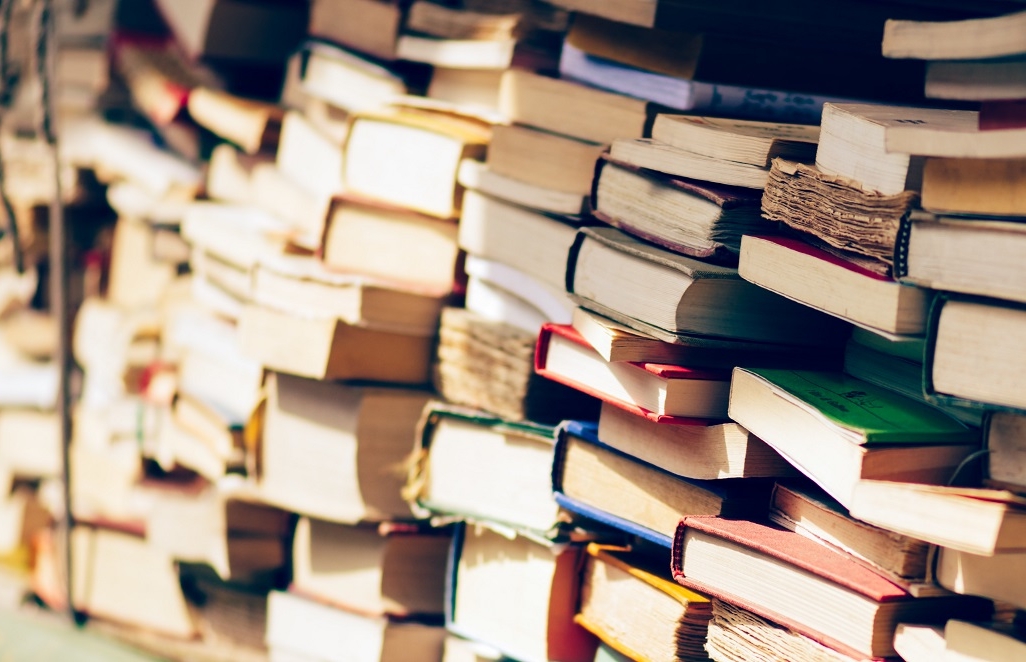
(614,583)
(838,430)
(629,494)
(764,569)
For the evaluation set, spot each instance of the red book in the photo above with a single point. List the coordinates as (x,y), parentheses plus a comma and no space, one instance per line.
(804,585)
(1006,114)
(659,392)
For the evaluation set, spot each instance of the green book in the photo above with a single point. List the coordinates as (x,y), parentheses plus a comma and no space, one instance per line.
(838,430)
(607,654)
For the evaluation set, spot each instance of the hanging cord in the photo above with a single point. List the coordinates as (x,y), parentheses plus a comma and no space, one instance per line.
(8,86)
(46,51)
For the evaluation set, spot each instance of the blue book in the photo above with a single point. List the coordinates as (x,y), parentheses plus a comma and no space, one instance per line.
(601,483)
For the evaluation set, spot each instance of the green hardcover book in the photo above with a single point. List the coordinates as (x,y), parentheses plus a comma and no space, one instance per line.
(838,430)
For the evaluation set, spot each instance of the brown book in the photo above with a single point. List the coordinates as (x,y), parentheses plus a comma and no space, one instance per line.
(369,26)
(252,125)
(544,159)
(977,187)
(391,569)
(338,452)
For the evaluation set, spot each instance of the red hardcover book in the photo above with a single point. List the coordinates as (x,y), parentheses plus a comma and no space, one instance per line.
(659,392)
(1005,114)
(803,585)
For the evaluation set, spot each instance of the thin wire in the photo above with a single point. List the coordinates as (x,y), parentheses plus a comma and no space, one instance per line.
(46,50)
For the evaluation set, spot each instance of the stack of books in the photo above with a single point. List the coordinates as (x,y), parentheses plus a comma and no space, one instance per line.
(513,330)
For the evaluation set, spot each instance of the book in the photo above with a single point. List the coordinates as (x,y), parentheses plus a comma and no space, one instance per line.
(810,512)
(487,567)
(532,242)
(976,80)
(257,32)
(217,428)
(655,155)
(613,584)
(975,641)
(239,538)
(424,153)
(456,53)
(544,159)
(334,451)
(954,134)
(571,109)
(995,577)
(387,569)
(537,299)
(368,26)
(988,37)
(303,286)
(606,263)
(617,342)
(478,176)
(471,464)
(1002,114)
(476,89)
(1003,434)
(760,568)
(837,211)
(310,159)
(392,244)
(740,141)
(813,419)
(853,143)
(683,215)
(230,174)
(994,520)
(299,628)
(326,347)
(725,54)
(971,256)
(736,633)
(977,187)
(461,23)
(685,95)
(919,643)
(458,649)
(489,365)
(702,452)
(811,276)
(970,353)
(252,125)
(641,499)
(659,392)
(347,80)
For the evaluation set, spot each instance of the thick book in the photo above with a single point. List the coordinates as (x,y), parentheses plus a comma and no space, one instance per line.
(972,355)
(617,342)
(837,211)
(471,464)
(970,256)
(572,109)
(613,583)
(372,568)
(254,126)
(653,154)
(810,512)
(348,81)
(331,450)
(391,243)
(974,187)
(740,141)
(1003,114)
(968,39)
(422,161)
(838,430)
(952,134)
(641,499)
(659,392)
(302,628)
(675,301)
(685,95)
(764,569)
(683,215)
(811,276)
(989,521)
(488,364)
(543,158)
(479,177)
(488,567)
(997,577)
(1004,434)
(711,451)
